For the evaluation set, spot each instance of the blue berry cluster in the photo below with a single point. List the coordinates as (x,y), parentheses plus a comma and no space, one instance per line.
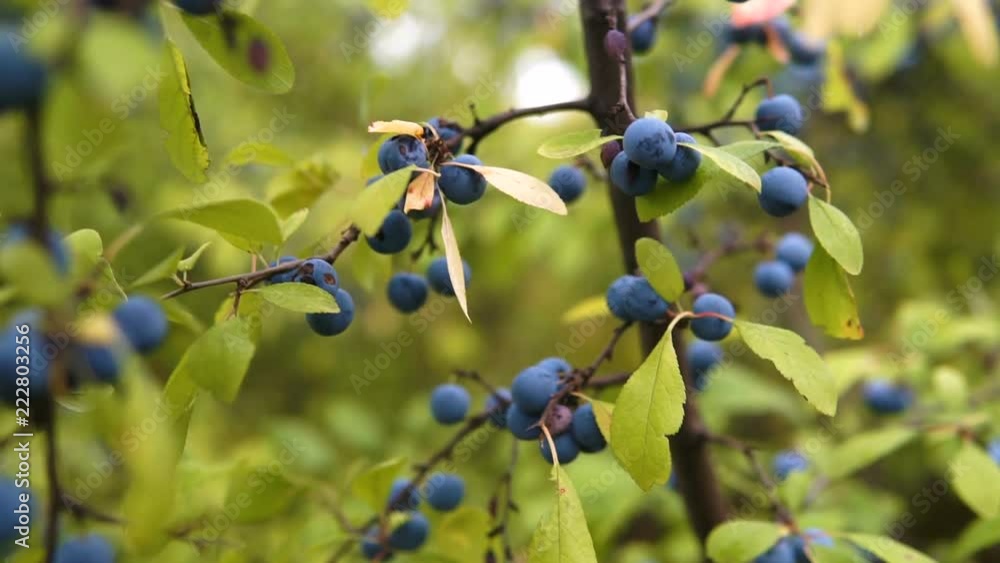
(408,292)
(444,492)
(774,278)
(649,151)
(323,275)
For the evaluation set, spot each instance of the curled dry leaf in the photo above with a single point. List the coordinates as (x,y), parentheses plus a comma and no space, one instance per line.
(420,192)
(456,271)
(520,186)
(397,127)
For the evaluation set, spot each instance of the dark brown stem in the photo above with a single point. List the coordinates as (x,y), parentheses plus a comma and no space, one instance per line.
(502,501)
(42,183)
(477,378)
(703,496)
(482,128)
(251,279)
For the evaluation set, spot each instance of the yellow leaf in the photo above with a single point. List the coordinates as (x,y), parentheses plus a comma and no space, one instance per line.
(456,271)
(978,27)
(520,186)
(420,193)
(398,127)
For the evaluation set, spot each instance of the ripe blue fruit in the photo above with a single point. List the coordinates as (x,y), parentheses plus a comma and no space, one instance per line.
(11,508)
(802,50)
(450,403)
(142,321)
(54,244)
(787,462)
(782,112)
(401,151)
(781,552)
(532,389)
(394,234)
(685,163)
(884,397)
(568,182)
(407,292)
(993,448)
(447,130)
(566,448)
(371,548)
(445,491)
(38,364)
(702,356)
(522,425)
(644,36)
(24,76)
(411,534)
(773,278)
(103,362)
(631,298)
(462,185)
(631,178)
(317,272)
(288,276)
(410,501)
(650,143)
(712,328)
(555,365)
(91,548)
(585,430)
(332,324)
(500,397)
(437,276)
(783,191)
(198,7)
(794,249)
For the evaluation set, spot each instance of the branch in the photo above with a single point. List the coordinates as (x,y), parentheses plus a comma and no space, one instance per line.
(482,128)
(250,279)
(506,487)
(696,274)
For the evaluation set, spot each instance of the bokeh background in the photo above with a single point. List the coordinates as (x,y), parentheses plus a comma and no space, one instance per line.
(912,99)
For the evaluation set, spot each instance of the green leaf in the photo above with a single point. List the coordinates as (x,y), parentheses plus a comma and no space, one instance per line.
(576,143)
(658,265)
(829,298)
(163,270)
(244,218)
(562,535)
(649,407)
(388,9)
(369,164)
(837,235)
(669,196)
(292,223)
(179,119)
(798,150)
(373,485)
(841,552)
(888,549)
(218,360)
(861,450)
(87,251)
(595,307)
(260,492)
(463,530)
(188,264)
(374,202)
(259,153)
(739,541)
(975,537)
(729,163)
(795,360)
(299,297)
(242,43)
(302,186)
(29,268)
(976,478)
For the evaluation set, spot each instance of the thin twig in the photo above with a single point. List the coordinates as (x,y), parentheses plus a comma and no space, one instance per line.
(484,127)
(782,511)
(251,279)
(651,11)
